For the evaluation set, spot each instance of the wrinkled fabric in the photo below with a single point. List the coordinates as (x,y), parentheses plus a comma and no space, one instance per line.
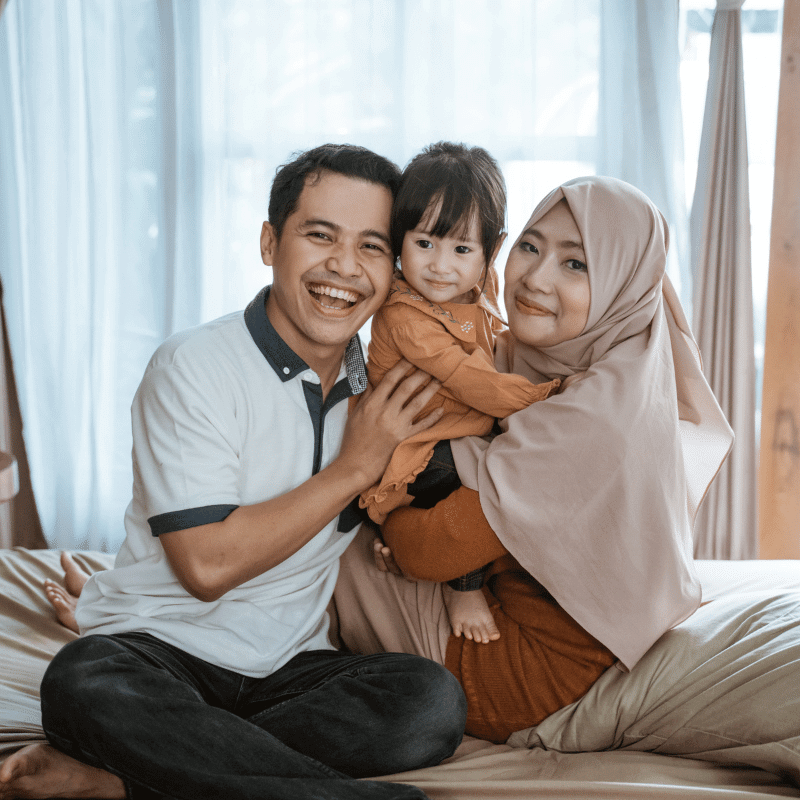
(720,687)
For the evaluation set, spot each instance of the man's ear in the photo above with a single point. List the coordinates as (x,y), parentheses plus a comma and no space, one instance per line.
(269,241)
(500,239)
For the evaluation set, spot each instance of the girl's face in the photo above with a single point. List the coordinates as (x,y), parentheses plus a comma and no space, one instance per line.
(443,270)
(546,281)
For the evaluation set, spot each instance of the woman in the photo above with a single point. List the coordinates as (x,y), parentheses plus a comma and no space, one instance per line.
(585,501)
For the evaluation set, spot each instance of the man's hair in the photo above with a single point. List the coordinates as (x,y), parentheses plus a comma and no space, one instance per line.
(466,184)
(307,168)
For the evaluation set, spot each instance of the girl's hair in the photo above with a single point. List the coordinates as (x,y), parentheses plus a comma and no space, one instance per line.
(466,183)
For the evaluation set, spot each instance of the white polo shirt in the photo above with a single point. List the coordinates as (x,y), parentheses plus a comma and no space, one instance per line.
(227,415)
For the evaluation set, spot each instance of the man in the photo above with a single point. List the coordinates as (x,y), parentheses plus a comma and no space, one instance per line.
(207,670)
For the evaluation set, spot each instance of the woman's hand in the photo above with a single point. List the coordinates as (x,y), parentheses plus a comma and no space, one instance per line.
(384,560)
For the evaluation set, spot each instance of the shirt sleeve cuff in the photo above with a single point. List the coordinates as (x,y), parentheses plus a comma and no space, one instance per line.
(188,518)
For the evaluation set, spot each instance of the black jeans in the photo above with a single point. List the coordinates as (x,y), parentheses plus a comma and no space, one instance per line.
(174,726)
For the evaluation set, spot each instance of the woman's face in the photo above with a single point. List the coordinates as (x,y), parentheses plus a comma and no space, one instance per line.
(546,281)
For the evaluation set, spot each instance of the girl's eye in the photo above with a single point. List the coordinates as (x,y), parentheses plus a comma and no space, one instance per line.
(528,247)
(424,244)
(462,249)
(577,266)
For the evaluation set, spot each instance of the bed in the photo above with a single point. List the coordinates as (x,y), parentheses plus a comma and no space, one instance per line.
(532,764)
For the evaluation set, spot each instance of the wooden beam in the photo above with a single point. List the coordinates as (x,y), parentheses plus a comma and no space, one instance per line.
(779,469)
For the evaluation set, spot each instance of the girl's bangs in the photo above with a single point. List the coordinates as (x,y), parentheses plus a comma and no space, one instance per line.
(455,212)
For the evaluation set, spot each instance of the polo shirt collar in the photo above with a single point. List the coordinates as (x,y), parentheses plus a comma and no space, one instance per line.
(286,363)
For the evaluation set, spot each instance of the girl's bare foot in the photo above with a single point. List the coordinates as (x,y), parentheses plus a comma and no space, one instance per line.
(64,602)
(41,771)
(469,614)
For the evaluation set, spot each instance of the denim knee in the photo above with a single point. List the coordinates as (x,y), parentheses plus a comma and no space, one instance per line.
(71,688)
(434,720)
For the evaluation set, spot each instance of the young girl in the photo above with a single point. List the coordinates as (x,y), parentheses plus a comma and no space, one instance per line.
(441,316)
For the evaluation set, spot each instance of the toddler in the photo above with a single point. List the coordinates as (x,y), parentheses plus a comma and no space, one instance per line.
(441,315)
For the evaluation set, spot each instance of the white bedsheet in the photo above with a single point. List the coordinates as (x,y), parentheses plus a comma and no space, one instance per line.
(728,578)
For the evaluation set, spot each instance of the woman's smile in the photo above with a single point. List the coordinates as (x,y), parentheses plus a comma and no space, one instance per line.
(532,308)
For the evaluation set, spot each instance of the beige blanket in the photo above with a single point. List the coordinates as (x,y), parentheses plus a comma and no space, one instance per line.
(607,717)
(722,688)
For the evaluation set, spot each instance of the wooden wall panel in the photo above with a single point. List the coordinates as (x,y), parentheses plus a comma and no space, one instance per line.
(779,468)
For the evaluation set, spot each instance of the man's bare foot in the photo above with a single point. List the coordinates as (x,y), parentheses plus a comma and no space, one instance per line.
(64,602)
(74,576)
(469,614)
(41,771)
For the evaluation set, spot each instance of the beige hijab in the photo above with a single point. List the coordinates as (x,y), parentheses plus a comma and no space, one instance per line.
(595,490)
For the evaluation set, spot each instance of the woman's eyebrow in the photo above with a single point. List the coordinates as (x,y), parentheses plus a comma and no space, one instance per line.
(566,243)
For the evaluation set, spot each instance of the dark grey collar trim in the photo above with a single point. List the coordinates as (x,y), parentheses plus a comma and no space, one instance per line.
(355,367)
(286,363)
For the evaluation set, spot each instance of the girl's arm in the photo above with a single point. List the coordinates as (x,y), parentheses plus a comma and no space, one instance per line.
(470,378)
(476,382)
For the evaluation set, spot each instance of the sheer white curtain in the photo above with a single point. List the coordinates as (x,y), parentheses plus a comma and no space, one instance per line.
(641,131)
(99,237)
(723,319)
(139,140)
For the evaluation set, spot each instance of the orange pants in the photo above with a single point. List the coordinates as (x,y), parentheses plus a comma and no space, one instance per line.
(543,659)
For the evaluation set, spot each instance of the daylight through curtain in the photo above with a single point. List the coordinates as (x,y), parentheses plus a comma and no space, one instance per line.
(140,138)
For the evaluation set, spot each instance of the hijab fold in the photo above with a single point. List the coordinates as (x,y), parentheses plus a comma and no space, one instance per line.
(595,490)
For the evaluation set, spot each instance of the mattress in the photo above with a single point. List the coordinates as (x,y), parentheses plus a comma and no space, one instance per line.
(531,765)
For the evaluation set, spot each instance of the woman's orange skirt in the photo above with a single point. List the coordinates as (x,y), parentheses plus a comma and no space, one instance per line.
(543,659)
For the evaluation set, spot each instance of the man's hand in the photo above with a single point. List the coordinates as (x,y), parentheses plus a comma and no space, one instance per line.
(212,559)
(384,417)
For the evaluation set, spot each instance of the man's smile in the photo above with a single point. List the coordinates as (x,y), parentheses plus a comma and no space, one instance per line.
(333,297)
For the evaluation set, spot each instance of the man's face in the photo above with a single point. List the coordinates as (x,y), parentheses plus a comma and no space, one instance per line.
(332,266)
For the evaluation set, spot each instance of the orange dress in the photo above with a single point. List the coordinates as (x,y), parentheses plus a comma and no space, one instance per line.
(453,342)
(543,659)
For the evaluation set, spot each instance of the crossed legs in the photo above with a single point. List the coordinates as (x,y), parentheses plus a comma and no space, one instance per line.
(132,716)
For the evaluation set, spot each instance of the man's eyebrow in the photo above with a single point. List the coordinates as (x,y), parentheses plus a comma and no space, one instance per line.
(310,223)
(325,223)
(564,243)
(372,233)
